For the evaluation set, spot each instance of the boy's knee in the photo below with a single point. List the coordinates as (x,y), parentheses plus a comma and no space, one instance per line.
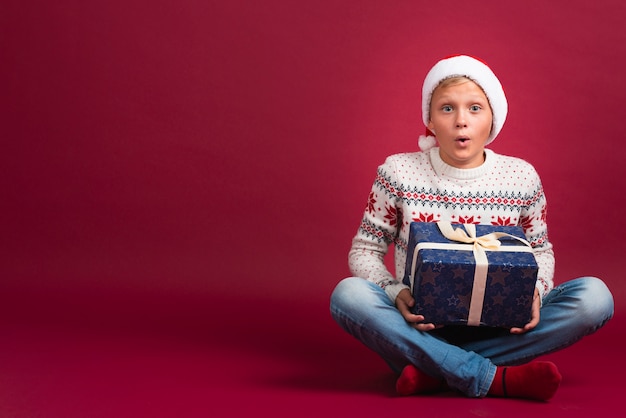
(355,294)
(597,302)
(600,296)
(345,291)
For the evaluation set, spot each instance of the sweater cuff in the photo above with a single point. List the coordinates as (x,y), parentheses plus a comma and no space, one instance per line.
(393,289)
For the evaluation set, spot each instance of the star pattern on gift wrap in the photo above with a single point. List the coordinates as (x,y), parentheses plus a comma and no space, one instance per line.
(439,291)
(464,300)
(508,311)
(508,267)
(428,276)
(428,300)
(457,257)
(438,267)
(487,310)
(498,299)
(522,300)
(453,301)
(459,272)
(528,273)
(506,257)
(441,312)
(499,276)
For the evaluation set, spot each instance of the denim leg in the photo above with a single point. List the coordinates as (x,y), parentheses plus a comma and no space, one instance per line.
(364,311)
(569,312)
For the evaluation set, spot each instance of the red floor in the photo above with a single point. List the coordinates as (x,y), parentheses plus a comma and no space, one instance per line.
(198,359)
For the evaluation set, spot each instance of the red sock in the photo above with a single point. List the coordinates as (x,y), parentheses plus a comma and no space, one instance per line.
(538,380)
(413,381)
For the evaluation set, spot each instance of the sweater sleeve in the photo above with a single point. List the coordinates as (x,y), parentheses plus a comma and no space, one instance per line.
(378,229)
(533,220)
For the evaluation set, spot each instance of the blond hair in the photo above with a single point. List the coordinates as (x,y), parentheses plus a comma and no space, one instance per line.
(453,81)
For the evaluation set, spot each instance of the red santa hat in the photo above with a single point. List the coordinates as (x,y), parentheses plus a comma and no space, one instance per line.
(479,73)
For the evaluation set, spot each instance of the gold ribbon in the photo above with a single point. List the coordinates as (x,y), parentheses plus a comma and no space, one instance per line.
(489,242)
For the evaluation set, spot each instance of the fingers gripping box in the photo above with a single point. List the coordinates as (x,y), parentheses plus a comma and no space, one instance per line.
(475,275)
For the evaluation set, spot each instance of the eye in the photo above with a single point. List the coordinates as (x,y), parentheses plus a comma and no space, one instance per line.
(446,108)
(475,108)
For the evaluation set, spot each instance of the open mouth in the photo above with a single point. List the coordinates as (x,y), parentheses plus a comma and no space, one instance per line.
(462,139)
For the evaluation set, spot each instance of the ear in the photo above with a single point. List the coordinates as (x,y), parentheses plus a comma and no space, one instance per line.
(431,127)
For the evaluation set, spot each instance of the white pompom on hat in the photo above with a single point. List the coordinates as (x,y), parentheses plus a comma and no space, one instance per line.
(479,73)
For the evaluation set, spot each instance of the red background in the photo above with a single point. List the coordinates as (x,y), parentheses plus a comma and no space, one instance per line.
(194,171)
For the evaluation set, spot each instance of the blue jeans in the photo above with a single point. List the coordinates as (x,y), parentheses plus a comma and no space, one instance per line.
(467,362)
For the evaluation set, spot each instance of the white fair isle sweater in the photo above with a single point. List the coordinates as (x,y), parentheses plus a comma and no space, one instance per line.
(420,187)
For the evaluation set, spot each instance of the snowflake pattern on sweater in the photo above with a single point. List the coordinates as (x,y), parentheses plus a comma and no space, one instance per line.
(420,187)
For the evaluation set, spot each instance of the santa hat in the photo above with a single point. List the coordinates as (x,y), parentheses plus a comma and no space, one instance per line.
(479,73)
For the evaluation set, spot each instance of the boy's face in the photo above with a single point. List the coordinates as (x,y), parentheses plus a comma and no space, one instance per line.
(461,118)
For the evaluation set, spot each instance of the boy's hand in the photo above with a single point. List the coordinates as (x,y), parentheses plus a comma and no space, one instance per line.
(534,317)
(404,301)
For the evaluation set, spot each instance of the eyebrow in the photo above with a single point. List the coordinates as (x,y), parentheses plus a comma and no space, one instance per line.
(473,98)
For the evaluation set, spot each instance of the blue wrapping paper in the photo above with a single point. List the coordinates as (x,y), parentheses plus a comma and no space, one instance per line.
(442,280)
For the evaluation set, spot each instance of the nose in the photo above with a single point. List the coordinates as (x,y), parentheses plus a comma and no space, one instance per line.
(461,120)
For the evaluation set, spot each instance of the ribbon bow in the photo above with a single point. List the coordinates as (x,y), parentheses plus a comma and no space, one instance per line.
(489,241)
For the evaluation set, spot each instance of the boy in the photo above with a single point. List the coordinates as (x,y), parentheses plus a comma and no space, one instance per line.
(460,181)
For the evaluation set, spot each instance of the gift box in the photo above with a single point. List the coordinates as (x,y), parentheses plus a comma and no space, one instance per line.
(475,275)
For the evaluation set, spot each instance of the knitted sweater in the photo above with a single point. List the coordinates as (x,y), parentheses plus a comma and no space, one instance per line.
(420,187)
